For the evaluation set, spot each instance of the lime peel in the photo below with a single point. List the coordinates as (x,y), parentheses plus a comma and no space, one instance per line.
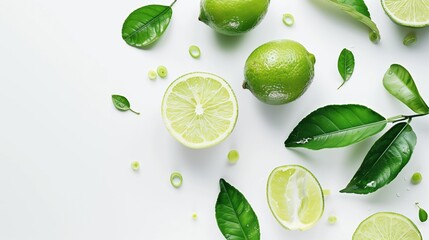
(288,19)
(194,51)
(410,39)
(176,179)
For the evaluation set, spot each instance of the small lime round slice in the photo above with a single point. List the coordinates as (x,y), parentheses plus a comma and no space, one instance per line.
(295,197)
(387,225)
(199,109)
(410,13)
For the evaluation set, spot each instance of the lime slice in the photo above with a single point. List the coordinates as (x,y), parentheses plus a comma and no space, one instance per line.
(387,225)
(295,197)
(411,13)
(199,109)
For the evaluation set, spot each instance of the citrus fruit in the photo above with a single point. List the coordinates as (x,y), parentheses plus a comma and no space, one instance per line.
(233,17)
(387,225)
(279,72)
(199,109)
(295,197)
(410,13)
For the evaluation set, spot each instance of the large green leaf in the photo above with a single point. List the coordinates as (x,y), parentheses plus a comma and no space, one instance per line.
(399,82)
(234,215)
(146,25)
(335,126)
(384,161)
(358,10)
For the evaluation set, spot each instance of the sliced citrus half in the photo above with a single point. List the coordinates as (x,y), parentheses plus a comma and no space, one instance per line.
(199,109)
(411,13)
(387,225)
(295,197)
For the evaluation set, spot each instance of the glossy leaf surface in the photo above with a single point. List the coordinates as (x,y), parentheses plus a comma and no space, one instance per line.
(335,126)
(146,25)
(399,82)
(386,158)
(234,215)
(358,10)
(346,65)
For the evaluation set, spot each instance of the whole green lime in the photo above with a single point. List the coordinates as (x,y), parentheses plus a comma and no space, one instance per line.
(233,17)
(279,72)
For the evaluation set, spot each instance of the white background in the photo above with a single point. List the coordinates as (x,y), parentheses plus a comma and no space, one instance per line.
(65,151)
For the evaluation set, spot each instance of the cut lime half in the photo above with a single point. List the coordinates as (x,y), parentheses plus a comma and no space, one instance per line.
(295,197)
(387,225)
(199,109)
(410,13)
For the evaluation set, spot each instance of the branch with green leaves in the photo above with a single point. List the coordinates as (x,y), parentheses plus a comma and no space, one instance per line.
(335,126)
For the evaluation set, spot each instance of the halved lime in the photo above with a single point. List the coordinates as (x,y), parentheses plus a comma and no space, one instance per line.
(295,197)
(411,13)
(199,109)
(387,225)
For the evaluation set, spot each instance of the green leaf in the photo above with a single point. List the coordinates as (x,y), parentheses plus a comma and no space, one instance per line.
(346,65)
(234,215)
(400,84)
(358,10)
(423,215)
(121,103)
(146,25)
(335,126)
(384,161)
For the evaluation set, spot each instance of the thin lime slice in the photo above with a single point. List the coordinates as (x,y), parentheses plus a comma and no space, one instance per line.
(199,109)
(410,13)
(295,197)
(387,225)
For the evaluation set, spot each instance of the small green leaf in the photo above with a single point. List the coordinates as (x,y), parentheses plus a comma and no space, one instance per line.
(146,25)
(400,84)
(423,215)
(234,215)
(358,10)
(346,65)
(335,126)
(384,161)
(121,103)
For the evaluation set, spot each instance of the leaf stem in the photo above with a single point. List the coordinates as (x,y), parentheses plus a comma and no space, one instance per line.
(171,5)
(400,118)
(134,112)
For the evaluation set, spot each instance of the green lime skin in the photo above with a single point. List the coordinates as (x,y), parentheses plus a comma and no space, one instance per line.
(279,72)
(233,17)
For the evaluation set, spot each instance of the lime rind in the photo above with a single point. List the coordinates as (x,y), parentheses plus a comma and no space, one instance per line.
(295,217)
(396,222)
(374,32)
(204,133)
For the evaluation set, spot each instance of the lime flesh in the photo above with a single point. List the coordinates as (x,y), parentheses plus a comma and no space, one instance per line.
(199,109)
(387,225)
(410,13)
(295,197)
